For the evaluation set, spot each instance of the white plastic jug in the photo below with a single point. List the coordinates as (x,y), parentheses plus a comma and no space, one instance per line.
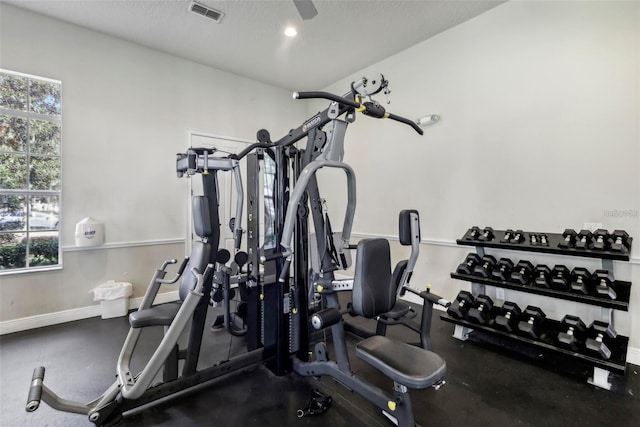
(89,232)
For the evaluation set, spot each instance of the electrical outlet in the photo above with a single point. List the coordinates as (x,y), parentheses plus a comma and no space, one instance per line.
(500,294)
(592,226)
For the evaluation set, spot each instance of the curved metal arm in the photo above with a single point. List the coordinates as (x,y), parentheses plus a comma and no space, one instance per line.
(132,387)
(168,262)
(249,149)
(178,273)
(298,192)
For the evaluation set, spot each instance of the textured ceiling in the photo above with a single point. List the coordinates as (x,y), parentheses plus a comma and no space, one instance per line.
(344,37)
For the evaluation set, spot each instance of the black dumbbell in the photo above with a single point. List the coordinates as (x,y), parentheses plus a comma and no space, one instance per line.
(508,321)
(461,305)
(534,240)
(484,267)
(522,273)
(604,282)
(473,233)
(569,237)
(581,282)
(502,270)
(508,235)
(518,237)
(560,278)
(601,239)
(571,333)
(601,335)
(583,241)
(542,276)
(480,311)
(532,319)
(486,235)
(543,239)
(620,241)
(468,265)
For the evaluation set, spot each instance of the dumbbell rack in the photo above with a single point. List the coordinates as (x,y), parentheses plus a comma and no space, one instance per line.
(601,368)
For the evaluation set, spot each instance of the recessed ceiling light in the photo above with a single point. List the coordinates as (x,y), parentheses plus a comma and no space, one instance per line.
(290,32)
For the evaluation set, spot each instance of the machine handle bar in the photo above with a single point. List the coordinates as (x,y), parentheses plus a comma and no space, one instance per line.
(35,391)
(371,109)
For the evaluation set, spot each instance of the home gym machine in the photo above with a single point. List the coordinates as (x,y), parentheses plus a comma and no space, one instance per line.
(132,393)
(277,302)
(408,366)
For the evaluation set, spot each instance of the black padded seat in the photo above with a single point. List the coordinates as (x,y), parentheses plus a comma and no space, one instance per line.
(405,364)
(159,315)
(400,309)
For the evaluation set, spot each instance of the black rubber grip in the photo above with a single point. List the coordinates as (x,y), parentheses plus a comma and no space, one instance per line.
(183,266)
(413,124)
(275,255)
(435,299)
(35,391)
(373,109)
(327,95)
(343,260)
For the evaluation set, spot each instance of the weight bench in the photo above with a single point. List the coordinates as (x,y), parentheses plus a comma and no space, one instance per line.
(409,367)
(372,296)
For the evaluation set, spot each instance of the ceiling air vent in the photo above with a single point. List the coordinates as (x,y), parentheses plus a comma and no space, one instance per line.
(206,11)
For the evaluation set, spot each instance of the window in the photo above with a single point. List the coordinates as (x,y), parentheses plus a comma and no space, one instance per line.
(30,172)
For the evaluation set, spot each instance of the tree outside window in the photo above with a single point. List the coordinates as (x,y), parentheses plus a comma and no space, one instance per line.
(30,172)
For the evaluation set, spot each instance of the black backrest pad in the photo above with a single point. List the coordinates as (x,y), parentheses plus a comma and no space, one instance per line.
(372,290)
(201,216)
(405,226)
(200,251)
(401,266)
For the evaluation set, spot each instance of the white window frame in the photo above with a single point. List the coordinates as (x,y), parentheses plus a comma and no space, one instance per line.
(27,192)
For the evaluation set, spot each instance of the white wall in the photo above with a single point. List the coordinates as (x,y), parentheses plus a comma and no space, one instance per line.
(540,131)
(126,110)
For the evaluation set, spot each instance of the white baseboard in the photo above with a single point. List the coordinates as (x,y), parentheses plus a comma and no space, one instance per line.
(41,320)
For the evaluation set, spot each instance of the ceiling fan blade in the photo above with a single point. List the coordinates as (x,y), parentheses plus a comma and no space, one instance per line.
(306,9)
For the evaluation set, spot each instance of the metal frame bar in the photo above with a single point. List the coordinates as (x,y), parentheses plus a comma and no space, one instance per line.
(298,192)
(133,387)
(397,405)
